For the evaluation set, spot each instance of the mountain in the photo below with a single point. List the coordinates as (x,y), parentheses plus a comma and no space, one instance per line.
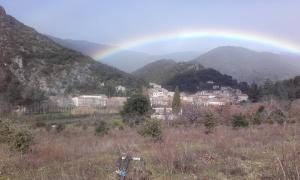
(125,60)
(163,70)
(32,66)
(250,66)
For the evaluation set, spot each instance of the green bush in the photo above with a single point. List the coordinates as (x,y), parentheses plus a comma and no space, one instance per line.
(151,128)
(135,109)
(102,128)
(209,122)
(117,123)
(239,121)
(21,141)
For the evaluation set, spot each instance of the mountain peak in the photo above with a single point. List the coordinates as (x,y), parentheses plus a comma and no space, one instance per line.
(2,11)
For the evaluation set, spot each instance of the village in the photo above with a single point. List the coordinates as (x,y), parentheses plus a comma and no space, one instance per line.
(160,99)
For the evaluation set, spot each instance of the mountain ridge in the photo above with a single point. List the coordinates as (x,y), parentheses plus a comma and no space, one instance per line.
(248,65)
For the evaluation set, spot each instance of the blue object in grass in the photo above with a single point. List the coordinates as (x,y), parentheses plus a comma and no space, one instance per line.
(122,173)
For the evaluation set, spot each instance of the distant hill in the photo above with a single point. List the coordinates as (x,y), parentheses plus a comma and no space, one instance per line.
(188,76)
(195,80)
(32,65)
(163,70)
(250,66)
(125,60)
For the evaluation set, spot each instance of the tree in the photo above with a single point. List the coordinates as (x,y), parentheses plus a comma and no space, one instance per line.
(254,93)
(176,104)
(209,122)
(268,88)
(191,113)
(135,108)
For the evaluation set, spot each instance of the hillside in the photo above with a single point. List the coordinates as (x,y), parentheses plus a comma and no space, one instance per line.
(32,65)
(195,80)
(250,66)
(163,70)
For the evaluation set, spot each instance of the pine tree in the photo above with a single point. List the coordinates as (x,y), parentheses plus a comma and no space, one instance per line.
(176,104)
(209,122)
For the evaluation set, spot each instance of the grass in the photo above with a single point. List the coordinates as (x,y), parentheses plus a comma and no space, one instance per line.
(259,152)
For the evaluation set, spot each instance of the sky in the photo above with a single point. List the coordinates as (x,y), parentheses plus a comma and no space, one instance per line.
(117,21)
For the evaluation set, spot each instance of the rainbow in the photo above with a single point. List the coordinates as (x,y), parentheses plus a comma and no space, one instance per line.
(222,34)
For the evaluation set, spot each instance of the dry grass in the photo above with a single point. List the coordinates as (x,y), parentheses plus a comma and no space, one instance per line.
(263,152)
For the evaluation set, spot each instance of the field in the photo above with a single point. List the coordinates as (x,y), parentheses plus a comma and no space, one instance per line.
(267,151)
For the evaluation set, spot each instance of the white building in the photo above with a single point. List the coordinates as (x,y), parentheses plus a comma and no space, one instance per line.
(121,89)
(90,101)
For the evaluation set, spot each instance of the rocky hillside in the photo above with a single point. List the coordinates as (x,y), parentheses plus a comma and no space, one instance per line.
(32,65)
(163,70)
(250,66)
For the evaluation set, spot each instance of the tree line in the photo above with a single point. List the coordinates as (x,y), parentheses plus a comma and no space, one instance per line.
(282,90)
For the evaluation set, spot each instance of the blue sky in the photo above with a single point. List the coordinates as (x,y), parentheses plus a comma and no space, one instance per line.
(114,21)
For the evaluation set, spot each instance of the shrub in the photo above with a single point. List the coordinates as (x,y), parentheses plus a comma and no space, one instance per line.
(117,123)
(60,127)
(39,124)
(151,128)
(256,119)
(102,128)
(239,121)
(277,116)
(21,141)
(209,122)
(134,110)
(5,132)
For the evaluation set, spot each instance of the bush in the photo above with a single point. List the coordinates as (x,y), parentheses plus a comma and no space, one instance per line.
(135,109)
(239,121)
(277,116)
(151,128)
(102,128)
(117,123)
(39,124)
(209,122)
(256,119)
(5,132)
(60,127)
(21,141)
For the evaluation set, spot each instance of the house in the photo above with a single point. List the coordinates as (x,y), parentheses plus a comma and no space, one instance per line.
(243,97)
(90,101)
(120,89)
(163,113)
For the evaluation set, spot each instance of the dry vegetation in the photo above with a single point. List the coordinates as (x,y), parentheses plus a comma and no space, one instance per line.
(266,151)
